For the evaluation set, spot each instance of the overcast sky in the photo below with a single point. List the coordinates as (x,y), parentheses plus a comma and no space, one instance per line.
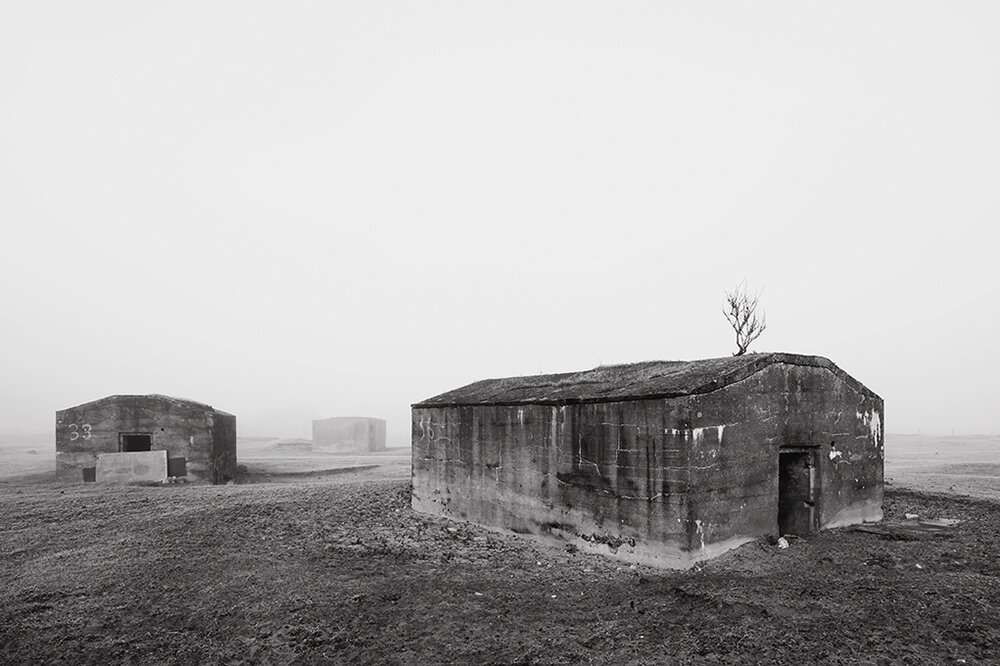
(305,209)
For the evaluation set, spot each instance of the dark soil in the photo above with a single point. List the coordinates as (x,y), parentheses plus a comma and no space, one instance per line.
(335,572)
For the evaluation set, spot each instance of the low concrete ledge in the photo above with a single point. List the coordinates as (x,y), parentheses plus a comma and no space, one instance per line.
(135,466)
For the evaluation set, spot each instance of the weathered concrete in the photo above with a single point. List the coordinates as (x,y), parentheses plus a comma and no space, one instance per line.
(134,466)
(349,434)
(668,480)
(205,437)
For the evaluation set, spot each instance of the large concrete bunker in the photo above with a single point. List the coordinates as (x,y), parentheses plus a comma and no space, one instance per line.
(665,462)
(349,434)
(145,438)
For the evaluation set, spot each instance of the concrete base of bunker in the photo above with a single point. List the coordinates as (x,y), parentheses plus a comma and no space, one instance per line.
(597,539)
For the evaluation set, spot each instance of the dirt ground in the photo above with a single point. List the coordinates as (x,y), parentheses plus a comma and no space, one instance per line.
(308,564)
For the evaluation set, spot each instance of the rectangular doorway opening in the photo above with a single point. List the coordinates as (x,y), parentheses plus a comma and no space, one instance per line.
(797,491)
(135,441)
(177,467)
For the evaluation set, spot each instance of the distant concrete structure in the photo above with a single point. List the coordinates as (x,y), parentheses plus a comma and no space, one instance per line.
(145,438)
(661,462)
(349,434)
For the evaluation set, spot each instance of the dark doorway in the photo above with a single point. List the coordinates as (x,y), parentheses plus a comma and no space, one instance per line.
(176,466)
(796,491)
(135,441)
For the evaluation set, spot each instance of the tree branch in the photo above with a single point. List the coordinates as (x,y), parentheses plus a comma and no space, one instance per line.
(741,313)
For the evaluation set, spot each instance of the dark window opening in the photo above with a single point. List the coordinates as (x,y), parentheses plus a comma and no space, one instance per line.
(90,474)
(135,441)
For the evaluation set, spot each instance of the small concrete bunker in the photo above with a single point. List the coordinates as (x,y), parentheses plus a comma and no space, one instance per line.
(125,438)
(666,462)
(349,434)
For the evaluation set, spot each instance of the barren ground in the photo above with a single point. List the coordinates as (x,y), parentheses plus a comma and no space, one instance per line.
(308,563)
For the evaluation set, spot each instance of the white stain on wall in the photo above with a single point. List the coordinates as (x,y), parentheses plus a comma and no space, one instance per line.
(875,427)
(696,434)
(873,420)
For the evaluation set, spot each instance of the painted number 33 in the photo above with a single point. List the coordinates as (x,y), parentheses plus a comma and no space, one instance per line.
(76,432)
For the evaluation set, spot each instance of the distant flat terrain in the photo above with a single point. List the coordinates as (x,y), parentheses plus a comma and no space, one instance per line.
(267,459)
(960,464)
(27,455)
(274,460)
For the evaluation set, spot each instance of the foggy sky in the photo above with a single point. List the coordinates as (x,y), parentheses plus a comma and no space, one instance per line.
(300,210)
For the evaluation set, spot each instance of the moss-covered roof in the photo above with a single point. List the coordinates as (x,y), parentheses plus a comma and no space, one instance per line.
(650,379)
(151,397)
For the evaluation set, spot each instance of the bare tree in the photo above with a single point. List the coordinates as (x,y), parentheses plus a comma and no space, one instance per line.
(741,313)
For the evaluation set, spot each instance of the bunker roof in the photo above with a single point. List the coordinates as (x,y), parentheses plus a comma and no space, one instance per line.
(634,381)
(150,397)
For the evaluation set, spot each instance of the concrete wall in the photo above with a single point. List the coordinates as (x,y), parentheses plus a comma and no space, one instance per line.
(127,467)
(734,436)
(224,443)
(597,474)
(181,428)
(348,434)
(667,481)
